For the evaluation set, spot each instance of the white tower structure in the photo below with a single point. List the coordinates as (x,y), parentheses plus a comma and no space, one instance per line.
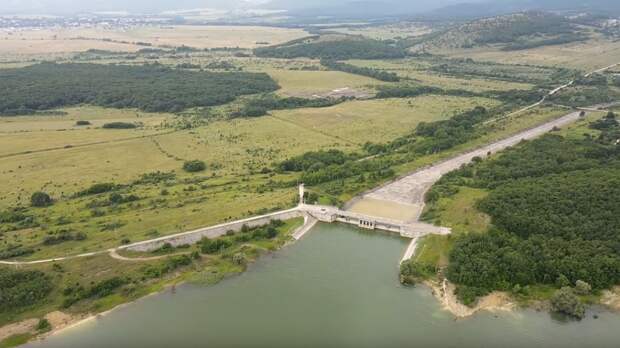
(302,191)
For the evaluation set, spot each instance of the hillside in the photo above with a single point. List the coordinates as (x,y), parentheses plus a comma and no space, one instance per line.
(511,32)
(337,47)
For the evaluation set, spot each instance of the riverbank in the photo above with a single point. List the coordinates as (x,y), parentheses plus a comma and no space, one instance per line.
(206,269)
(444,293)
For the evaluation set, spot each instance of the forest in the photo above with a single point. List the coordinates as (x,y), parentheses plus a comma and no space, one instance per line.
(363,71)
(555,214)
(353,48)
(151,88)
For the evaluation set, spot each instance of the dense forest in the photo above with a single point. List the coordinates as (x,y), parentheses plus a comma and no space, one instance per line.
(364,71)
(555,212)
(515,32)
(153,88)
(261,105)
(353,48)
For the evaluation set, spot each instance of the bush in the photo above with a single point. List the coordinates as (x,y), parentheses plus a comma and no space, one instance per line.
(22,289)
(97,189)
(212,246)
(43,325)
(194,166)
(119,125)
(582,288)
(565,301)
(82,123)
(40,199)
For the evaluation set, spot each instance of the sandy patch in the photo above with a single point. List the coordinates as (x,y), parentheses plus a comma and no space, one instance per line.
(19,328)
(611,298)
(496,301)
(385,209)
(57,319)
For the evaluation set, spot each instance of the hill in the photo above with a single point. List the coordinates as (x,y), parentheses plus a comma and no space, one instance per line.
(338,47)
(512,32)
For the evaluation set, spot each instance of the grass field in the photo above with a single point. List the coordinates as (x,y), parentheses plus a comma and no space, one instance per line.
(386,32)
(588,55)
(359,122)
(418,70)
(235,153)
(63,40)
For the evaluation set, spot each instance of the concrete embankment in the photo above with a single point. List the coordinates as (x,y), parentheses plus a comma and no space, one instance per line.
(309,223)
(192,237)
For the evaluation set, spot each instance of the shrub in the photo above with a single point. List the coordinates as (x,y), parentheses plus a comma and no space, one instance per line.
(97,189)
(565,301)
(82,123)
(40,199)
(119,125)
(582,288)
(21,289)
(212,246)
(194,166)
(43,325)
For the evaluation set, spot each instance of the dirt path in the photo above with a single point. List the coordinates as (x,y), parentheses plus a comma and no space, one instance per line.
(115,255)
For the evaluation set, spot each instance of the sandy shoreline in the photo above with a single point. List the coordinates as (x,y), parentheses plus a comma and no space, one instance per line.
(494,302)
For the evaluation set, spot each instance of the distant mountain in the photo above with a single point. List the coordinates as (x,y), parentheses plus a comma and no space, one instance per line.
(470,10)
(130,6)
(358,9)
(510,32)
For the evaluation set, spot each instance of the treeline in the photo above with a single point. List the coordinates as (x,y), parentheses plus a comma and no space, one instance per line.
(345,49)
(152,88)
(432,137)
(553,202)
(326,166)
(363,71)
(412,91)
(260,106)
(533,43)
(335,166)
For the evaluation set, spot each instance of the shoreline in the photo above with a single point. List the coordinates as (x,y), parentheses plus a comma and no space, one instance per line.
(62,321)
(494,302)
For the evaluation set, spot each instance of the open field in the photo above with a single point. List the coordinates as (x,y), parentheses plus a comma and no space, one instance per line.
(310,83)
(44,41)
(419,71)
(228,147)
(386,32)
(586,56)
(359,122)
(234,151)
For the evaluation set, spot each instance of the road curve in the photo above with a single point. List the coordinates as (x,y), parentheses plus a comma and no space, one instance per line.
(408,190)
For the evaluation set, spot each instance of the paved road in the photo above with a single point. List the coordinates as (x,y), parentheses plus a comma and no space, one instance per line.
(410,190)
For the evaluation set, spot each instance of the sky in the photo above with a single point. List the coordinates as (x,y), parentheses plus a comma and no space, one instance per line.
(156,6)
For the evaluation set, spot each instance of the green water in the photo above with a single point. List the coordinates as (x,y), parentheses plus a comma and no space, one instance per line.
(336,287)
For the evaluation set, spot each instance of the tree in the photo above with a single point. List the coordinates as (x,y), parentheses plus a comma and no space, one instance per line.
(561,281)
(40,199)
(566,301)
(194,166)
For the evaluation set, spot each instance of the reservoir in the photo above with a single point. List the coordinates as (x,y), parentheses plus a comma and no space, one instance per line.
(337,287)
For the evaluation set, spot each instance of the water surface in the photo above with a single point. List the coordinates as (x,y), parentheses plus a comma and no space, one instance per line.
(338,286)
